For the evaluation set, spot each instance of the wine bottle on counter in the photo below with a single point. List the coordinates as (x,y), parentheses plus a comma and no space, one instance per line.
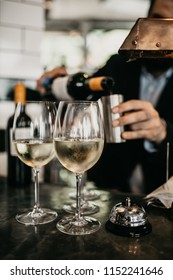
(80,86)
(18,173)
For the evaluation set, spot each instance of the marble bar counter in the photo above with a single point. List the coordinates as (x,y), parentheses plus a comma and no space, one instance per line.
(45,242)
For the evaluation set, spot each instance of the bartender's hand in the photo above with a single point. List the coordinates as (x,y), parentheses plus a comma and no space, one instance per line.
(56,72)
(143,120)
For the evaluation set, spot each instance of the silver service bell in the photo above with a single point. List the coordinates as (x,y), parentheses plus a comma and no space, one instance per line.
(128,219)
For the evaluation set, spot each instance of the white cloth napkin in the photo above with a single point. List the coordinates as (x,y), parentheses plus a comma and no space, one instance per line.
(164,194)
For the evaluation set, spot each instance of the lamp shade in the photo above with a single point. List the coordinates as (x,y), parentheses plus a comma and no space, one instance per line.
(149,38)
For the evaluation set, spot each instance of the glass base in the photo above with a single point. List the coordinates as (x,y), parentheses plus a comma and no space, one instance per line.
(87,194)
(87,208)
(39,217)
(71,226)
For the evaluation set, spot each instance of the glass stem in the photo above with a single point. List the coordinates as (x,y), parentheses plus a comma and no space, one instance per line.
(36,185)
(83,188)
(78,195)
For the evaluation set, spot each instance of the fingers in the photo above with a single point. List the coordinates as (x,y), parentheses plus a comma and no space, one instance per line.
(136,116)
(142,120)
(138,134)
(152,134)
(132,105)
(56,72)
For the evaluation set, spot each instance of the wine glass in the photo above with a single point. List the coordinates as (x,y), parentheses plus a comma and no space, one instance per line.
(87,207)
(78,143)
(33,140)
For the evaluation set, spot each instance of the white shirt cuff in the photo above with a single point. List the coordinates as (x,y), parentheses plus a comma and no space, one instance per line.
(149,146)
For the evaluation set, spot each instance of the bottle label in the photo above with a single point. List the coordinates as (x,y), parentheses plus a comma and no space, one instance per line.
(59,88)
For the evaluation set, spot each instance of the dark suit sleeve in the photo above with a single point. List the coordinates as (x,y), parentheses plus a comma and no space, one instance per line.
(117,162)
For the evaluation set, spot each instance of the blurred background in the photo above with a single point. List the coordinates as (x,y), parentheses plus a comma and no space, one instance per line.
(36,35)
(42,34)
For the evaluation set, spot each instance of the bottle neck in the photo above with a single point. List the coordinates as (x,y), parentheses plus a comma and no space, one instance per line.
(22,109)
(95,84)
(100,83)
(20,93)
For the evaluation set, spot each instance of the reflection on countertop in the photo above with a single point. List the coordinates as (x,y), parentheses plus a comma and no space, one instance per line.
(45,242)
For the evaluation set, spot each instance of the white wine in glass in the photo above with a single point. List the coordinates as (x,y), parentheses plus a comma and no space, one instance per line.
(78,143)
(33,141)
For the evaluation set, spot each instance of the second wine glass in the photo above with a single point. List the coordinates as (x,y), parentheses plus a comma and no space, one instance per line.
(78,142)
(33,140)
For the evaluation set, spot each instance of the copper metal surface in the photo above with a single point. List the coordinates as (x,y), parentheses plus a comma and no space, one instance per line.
(149,37)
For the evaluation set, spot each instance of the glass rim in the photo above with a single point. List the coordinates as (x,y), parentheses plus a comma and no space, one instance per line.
(78,101)
(39,101)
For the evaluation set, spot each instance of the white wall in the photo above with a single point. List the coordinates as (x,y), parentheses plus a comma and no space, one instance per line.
(21,30)
(97,9)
